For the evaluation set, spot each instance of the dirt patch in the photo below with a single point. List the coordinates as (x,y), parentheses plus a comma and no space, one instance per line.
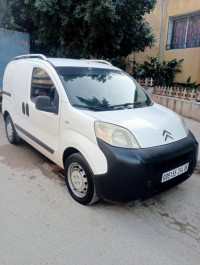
(21,156)
(32,177)
(25,157)
(197,169)
(185,228)
(52,171)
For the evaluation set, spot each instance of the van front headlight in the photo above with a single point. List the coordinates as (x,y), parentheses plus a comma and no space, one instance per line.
(115,135)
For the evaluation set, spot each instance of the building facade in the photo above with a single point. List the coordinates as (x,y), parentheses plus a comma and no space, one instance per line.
(176,24)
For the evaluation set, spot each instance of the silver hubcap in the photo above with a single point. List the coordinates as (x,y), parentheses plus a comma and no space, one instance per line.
(10,130)
(77,180)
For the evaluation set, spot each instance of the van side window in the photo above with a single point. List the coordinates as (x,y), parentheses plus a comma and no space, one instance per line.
(42,85)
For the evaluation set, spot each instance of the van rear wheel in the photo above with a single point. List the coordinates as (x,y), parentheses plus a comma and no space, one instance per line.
(80,180)
(11,133)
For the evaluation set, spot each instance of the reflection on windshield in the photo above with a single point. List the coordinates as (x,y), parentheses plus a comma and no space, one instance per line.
(101,88)
(99,78)
(94,102)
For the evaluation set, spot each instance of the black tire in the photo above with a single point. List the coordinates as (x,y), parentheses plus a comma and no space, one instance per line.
(77,169)
(11,133)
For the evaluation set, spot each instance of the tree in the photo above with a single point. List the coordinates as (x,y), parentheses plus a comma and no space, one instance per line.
(5,15)
(7,21)
(87,28)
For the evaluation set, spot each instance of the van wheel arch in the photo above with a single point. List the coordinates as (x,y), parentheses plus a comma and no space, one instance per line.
(11,133)
(69,151)
(5,115)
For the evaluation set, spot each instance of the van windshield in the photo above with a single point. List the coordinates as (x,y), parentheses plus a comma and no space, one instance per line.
(102,89)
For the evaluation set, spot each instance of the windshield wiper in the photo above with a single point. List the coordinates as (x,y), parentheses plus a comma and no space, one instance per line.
(106,107)
(134,104)
(90,107)
(114,107)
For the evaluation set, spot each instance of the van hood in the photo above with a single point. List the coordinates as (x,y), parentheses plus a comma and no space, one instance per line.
(152,126)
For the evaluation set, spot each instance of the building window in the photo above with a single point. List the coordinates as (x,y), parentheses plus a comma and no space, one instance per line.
(184,31)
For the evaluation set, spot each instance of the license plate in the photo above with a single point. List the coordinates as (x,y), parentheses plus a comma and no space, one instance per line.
(174,172)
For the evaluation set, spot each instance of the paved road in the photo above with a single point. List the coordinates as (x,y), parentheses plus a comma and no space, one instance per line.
(40,224)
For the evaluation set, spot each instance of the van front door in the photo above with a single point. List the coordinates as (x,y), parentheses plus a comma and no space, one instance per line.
(42,126)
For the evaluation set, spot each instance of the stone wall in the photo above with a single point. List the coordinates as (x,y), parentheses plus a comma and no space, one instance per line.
(186,108)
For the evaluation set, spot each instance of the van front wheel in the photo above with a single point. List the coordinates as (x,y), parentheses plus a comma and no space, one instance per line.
(80,180)
(11,133)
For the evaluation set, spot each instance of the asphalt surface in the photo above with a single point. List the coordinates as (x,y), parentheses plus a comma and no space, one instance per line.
(40,223)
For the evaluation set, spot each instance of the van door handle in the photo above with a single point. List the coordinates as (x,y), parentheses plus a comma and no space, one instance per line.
(27,109)
(23,108)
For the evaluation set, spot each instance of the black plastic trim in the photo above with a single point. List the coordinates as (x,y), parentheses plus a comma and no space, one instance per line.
(27,109)
(34,139)
(6,93)
(23,108)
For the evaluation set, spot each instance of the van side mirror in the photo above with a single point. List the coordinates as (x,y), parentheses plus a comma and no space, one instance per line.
(43,103)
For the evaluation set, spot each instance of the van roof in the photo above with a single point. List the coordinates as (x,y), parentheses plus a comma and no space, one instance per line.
(63,62)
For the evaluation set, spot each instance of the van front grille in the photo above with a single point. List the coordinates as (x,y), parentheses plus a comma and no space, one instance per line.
(172,163)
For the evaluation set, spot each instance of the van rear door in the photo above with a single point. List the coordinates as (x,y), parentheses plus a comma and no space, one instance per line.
(18,77)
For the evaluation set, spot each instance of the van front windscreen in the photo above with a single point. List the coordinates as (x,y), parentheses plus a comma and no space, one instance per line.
(101,89)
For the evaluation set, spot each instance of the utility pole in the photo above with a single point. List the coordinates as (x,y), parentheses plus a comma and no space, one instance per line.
(161,31)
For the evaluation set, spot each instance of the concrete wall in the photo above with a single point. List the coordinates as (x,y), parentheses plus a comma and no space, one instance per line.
(183,107)
(12,43)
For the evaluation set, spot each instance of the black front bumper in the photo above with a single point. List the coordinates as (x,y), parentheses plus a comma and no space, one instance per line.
(136,174)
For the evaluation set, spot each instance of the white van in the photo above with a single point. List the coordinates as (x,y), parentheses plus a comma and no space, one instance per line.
(95,121)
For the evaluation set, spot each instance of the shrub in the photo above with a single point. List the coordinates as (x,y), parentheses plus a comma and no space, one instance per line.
(163,73)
